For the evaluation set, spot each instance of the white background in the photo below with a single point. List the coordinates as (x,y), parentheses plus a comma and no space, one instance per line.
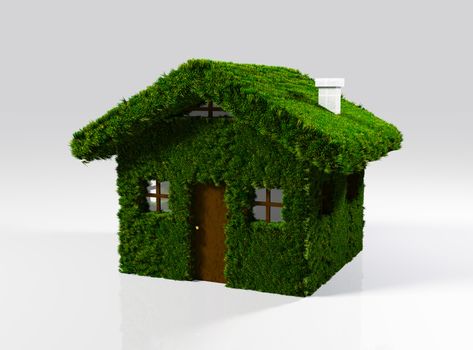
(65,63)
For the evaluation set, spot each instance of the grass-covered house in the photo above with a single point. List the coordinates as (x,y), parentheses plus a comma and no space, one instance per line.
(234,173)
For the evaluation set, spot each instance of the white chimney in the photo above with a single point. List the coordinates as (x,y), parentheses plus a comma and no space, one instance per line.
(330,93)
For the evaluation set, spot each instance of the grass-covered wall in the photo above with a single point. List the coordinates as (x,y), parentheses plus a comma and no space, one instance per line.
(291,257)
(335,225)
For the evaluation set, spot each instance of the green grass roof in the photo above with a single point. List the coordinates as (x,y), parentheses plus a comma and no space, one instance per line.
(278,102)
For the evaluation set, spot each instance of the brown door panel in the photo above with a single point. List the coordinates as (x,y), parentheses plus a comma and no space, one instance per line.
(208,243)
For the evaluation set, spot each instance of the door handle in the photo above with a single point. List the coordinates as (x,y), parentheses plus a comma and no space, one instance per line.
(197,228)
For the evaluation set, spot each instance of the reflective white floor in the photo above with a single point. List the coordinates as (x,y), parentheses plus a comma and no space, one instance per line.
(411,288)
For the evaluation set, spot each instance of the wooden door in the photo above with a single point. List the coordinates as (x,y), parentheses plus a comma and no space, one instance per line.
(208,243)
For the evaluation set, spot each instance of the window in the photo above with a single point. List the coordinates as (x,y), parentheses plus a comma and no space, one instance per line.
(268,205)
(328,197)
(158,196)
(208,110)
(354,185)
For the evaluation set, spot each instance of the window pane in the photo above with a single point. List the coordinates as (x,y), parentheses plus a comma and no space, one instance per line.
(151,188)
(276,214)
(354,185)
(259,212)
(276,195)
(221,114)
(165,204)
(165,187)
(151,203)
(260,194)
(328,199)
(198,114)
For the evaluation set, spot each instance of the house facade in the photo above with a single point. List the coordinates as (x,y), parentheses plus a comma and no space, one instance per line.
(233,173)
